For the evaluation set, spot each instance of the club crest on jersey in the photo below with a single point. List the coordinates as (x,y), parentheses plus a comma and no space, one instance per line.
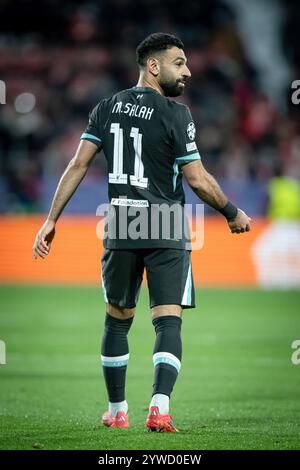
(191,130)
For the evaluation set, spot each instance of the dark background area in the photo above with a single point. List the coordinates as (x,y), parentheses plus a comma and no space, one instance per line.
(66,56)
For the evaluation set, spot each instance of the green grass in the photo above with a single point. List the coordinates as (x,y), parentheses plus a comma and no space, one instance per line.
(237,388)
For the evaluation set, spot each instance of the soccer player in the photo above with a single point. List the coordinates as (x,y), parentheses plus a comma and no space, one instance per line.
(148,142)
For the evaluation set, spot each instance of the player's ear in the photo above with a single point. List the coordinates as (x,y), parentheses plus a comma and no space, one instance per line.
(153,66)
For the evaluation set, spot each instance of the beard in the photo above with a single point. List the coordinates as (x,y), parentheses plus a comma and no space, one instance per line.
(170,86)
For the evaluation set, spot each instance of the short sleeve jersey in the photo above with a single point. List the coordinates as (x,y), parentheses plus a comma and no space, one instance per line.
(146,139)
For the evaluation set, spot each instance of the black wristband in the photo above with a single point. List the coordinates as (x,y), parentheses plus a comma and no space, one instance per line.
(229,211)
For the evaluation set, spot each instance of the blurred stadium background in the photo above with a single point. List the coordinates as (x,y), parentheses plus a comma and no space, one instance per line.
(57,60)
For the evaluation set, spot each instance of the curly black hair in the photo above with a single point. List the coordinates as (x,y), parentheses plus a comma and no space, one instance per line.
(156,42)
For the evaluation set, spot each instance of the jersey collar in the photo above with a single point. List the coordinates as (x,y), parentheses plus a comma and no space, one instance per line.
(144,89)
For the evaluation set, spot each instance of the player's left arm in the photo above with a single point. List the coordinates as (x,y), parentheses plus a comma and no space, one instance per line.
(207,188)
(202,182)
(70,180)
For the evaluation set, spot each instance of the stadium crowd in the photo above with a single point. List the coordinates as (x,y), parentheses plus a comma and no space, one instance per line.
(59,61)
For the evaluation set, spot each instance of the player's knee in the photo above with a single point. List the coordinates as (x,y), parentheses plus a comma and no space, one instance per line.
(120,312)
(166,310)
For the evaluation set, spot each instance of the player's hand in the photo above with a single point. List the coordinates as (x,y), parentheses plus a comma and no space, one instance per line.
(43,240)
(240,224)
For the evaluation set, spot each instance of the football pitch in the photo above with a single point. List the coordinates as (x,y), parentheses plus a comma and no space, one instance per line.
(237,388)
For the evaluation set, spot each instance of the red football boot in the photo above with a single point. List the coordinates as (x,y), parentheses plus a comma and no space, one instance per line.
(120,421)
(159,423)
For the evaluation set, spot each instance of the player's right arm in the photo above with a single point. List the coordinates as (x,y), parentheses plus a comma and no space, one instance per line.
(207,188)
(70,180)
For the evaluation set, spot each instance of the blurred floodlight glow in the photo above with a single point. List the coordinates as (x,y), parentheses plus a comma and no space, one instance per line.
(24,103)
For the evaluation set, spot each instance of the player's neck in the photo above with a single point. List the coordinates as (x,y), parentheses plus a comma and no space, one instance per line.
(144,83)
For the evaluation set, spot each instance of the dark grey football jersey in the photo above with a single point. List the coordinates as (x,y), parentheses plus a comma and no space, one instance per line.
(146,139)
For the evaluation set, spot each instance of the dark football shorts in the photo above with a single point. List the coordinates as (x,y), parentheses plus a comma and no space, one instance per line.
(169,276)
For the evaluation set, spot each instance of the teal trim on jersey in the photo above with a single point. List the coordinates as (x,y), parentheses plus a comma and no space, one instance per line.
(85,135)
(175,170)
(191,157)
(166,360)
(178,160)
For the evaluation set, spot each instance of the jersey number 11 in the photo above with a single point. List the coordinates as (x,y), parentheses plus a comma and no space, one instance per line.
(117,176)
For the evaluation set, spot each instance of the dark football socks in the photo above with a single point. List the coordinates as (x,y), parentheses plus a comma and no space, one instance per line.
(115,356)
(167,356)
